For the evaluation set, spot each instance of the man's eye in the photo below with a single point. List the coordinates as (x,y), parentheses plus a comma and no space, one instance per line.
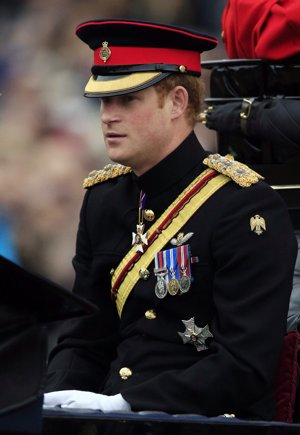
(128,98)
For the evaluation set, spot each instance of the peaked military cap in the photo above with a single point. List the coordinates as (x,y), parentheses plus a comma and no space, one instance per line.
(133,55)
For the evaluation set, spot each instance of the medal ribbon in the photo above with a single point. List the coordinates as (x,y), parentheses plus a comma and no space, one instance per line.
(177,214)
(165,264)
(141,207)
(172,261)
(183,260)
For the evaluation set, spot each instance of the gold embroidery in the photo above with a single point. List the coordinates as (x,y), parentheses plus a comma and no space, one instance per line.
(109,171)
(238,172)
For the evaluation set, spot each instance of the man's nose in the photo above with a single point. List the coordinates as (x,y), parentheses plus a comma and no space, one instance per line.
(109,112)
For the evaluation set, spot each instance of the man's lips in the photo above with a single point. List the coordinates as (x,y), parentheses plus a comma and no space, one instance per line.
(113,135)
(113,138)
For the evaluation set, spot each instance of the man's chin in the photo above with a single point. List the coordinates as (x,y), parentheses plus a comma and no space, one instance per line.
(118,159)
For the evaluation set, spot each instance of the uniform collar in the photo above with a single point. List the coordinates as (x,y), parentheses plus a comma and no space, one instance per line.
(173,168)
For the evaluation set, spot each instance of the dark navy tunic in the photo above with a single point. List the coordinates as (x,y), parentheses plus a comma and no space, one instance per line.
(241,289)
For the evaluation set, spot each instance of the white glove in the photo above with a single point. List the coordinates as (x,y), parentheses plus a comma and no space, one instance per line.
(86,400)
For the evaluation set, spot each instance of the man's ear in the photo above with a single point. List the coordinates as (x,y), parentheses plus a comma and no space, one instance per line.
(180,100)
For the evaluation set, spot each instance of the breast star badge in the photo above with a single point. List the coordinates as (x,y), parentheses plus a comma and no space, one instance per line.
(195,335)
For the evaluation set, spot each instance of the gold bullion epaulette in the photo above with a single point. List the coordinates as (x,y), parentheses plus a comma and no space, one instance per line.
(109,171)
(238,172)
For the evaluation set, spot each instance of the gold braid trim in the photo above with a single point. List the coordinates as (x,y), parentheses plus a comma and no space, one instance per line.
(238,172)
(109,171)
(163,235)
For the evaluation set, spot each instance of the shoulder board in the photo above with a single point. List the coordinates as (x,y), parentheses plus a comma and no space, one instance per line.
(108,172)
(238,172)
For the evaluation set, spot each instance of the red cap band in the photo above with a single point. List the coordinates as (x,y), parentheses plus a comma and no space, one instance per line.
(148,55)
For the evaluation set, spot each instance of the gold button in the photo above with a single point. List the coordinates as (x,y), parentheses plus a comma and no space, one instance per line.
(149,215)
(150,314)
(112,271)
(125,372)
(144,274)
(182,68)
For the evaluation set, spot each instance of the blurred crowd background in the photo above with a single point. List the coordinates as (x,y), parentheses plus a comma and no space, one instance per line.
(50,137)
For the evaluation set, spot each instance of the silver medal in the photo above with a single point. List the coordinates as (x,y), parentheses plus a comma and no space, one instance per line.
(184,283)
(161,287)
(185,280)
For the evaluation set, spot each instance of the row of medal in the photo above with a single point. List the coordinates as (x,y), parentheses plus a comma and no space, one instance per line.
(173,271)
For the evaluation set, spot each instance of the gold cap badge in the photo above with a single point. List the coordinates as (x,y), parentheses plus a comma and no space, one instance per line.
(105,52)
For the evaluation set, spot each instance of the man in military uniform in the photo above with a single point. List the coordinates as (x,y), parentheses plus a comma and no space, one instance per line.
(189,256)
